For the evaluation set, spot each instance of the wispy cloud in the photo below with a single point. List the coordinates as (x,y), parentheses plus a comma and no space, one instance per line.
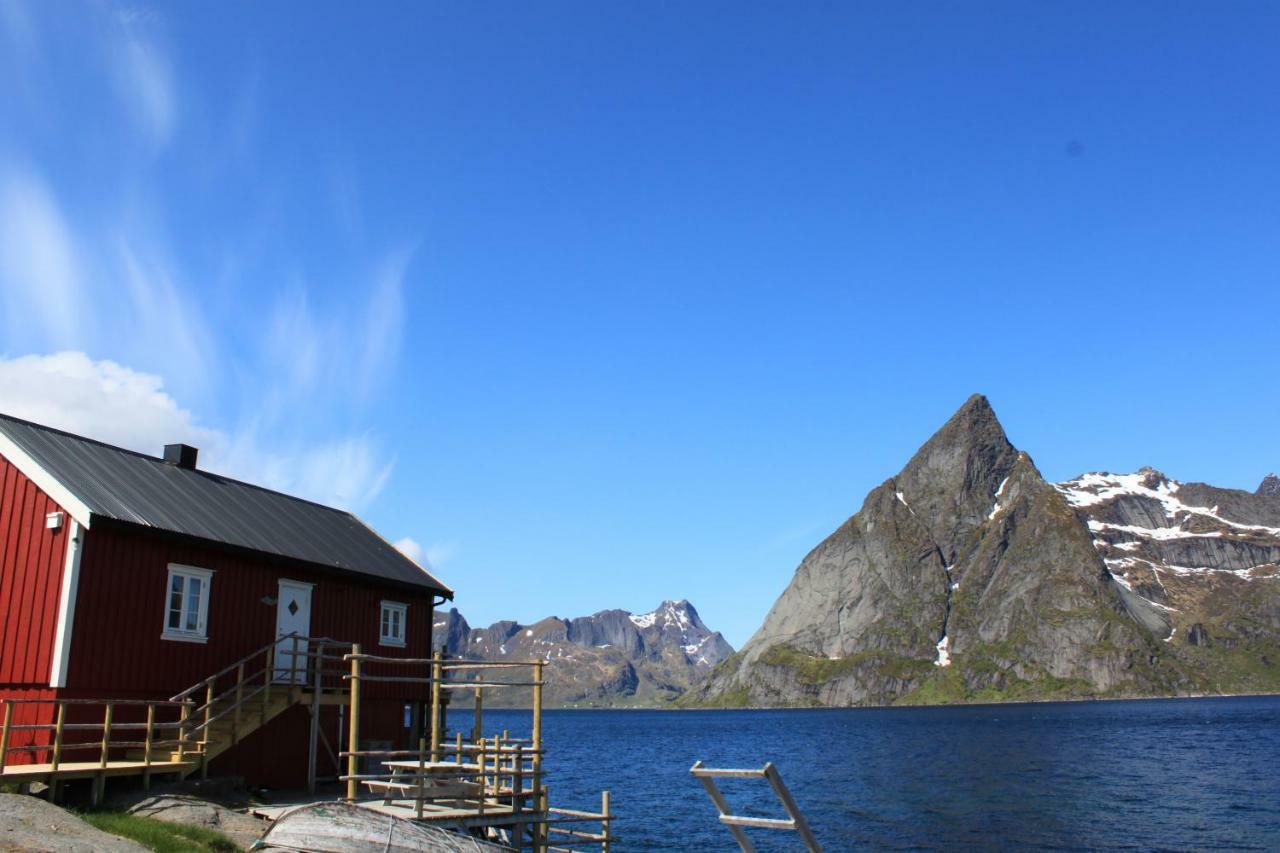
(143,77)
(39,270)
(384,320)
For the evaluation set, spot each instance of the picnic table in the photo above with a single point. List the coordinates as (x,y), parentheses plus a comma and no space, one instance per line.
(429,780)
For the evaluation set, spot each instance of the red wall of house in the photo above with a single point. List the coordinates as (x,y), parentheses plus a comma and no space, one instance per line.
(31,559)
(116,647)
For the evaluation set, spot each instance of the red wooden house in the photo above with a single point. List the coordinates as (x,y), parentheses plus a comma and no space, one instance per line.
(126,576)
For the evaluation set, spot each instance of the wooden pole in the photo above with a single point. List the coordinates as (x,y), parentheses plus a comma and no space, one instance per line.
(293,664)
(204,739)
(604,822)
(353,725)
(4,737)
(100,780)
(146,753)
(477,728)
(480,761)
(235,720)
(420,788)
(437,736)
(517,796)
(541,828)
(57,737)
(543,833)
(314,742)
(57,753)
(269,674)
(184,717)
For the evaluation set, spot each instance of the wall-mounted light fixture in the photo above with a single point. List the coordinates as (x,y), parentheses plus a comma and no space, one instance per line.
(53,521)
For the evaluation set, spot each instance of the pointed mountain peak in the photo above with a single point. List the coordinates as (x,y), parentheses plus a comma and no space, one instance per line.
(950,481)
(1270,486)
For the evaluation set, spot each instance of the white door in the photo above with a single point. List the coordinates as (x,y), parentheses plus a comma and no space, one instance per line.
(293,616)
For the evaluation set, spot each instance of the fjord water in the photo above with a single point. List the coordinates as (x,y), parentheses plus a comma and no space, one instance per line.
(1181,774)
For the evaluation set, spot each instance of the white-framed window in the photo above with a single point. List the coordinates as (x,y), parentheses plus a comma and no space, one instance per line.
(392,622)
(186,604)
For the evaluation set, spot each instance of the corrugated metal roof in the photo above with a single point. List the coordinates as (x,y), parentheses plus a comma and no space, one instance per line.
(138,489)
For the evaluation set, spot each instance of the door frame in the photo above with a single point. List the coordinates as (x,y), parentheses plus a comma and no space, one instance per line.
(284,648)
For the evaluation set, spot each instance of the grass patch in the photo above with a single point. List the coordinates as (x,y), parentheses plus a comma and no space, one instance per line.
(160,836)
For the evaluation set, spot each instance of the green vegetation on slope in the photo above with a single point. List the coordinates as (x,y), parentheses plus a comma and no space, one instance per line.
(158,835)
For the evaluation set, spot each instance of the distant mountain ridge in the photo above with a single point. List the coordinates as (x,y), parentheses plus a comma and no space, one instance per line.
(610,658)
(968,577)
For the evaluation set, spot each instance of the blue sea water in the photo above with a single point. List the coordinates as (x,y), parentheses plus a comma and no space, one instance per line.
(1182,774)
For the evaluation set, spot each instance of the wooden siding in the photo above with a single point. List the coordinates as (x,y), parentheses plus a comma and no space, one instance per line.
(31,558)
(116,646)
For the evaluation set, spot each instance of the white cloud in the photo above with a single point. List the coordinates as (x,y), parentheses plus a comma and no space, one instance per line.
(432,557)
(411,549)
(113,403)
(100,399)
(39,270)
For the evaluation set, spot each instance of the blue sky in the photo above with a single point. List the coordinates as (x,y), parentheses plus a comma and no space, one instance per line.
(601,304)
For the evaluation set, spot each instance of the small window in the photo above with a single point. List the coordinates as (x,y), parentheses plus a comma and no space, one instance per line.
(186,607)
(393,616)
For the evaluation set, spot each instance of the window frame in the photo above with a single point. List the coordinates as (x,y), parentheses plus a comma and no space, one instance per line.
(187,573)
(402,610)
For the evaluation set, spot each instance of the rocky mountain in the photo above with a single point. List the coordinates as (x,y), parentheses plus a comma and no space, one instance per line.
(1270,486)
(968,577)
(610,658)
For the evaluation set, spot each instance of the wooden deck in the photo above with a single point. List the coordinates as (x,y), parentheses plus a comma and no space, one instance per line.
(465,814)
(90,770)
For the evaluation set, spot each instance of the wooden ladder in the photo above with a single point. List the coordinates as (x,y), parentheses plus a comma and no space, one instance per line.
(795,821)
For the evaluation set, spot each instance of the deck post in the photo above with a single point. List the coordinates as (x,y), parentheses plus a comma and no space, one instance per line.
(204,738)
(184,717)
(100,779)
(146,752)
(315,720)
(57,753)
(420,789)
(604,821)
(293,665)
(235,719)
(353,726)
(480,762)
(437,672)
(269,673)
(541,830)
(4,737)
(517,796)
(477,728)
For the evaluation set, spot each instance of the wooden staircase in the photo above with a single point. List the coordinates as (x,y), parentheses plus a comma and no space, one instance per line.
(248,694)
(226,731)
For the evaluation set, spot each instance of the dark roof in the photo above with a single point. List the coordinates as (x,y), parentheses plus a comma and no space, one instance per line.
(134,488)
